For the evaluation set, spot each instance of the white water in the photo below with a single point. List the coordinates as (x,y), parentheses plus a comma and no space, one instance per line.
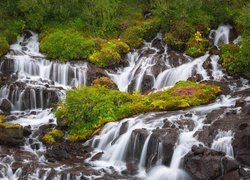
(220,35)
(33,69)
(223,142)
(141,65)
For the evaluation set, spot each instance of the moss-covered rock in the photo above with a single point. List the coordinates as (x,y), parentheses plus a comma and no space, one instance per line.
(4,46)
(86,109)
(2,119)
(135,34)
(197,45)
(106,82)
(53,136)
(109,52)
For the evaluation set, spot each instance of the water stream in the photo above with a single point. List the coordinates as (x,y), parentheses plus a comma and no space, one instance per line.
(37,83)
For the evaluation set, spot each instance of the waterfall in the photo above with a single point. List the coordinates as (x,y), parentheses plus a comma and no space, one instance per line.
(220,35)
(223,142)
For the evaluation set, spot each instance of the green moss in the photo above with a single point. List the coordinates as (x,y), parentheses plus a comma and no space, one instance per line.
(4,46)
(109,52)
(52,136)
(2,119)
(10,126)
(86,109)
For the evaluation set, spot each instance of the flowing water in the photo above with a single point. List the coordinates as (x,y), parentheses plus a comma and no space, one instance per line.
(37,83)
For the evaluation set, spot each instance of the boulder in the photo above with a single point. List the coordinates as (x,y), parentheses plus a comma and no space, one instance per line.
(11,134)
(204,163)
(5,105)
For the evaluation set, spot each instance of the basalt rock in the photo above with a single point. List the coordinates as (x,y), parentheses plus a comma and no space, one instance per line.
(11,135)
(5,105)
(94,73)
(203,163)
(161,138)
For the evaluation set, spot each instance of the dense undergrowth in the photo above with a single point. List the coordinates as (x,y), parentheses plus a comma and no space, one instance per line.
(86,109)
(92,29)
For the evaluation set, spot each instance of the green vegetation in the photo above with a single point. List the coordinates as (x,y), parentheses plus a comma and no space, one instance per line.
(2,119)
(197,45)
(53,136)
(10,126)
(4,46)
(86,109)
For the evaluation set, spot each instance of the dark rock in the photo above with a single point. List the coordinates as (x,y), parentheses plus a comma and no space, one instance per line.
(167,137)
(94,73)
(27,131)
(97,156)
(123,128)
(240,102)
(222,84)
(203,163)
(241,144)
(135,146)
(5,105)
(207,64)
(12,135)
(132,168)
(246,109)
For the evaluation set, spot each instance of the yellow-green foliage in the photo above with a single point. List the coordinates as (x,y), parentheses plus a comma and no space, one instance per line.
(197,45)
(10,126)
(86,109)
(104,81)
(52,136)
(135,34)
(4,46)
(228,55)
(109,53)
(2,118)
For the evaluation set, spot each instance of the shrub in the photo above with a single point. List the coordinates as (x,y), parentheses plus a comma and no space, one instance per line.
(4,46)
(104,81)
(197,45)
(109,53)
(86,109)
(66,45)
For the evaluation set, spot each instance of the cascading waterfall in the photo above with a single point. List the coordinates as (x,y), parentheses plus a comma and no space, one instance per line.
(223,142)
(138,140)
(145,62)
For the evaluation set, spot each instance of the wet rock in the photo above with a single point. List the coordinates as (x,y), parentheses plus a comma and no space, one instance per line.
(167,137)
(106,82)
(241,144)
(135,146)
(94,73)
(203,163)
(207,64)
(186,123)
(240,102)
(97,156)
(6,66)
(5,105)
(12,135)
(60,151)
(123,128)
(132,168)
(27,131)
(246,109)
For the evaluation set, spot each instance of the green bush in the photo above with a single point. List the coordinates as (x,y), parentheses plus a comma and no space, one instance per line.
(197,45)
(53,136)
(4,46)
(66,45)
(86,109)
(109,52)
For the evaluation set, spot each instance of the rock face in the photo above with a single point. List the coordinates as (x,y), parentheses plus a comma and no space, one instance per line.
(12,135)
(203,163)
(5,105)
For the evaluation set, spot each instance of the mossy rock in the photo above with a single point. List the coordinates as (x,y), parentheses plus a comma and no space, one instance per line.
(87,109)
(53,136)
(4,46)
(2,119)
(109,52)
(106,82)
(10,126)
